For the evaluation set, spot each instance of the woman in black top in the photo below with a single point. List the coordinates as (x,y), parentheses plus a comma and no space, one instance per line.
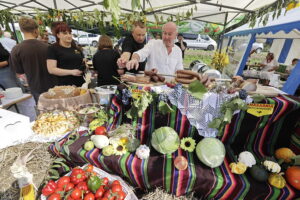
(65,60)
(7,77)
(105,62)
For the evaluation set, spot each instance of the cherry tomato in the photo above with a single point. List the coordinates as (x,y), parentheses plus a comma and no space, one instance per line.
(99,192)
(63,181)
(89,196)
(89,168)
(116,188)
(105,180)
(115,182)
(121,195)
(69,187)
(76,194)
(54,196)
(101,130)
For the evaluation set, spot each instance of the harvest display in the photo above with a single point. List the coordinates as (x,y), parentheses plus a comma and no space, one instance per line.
(144,129)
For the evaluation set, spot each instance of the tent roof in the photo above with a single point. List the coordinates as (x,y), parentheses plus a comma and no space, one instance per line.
(287,25)
(213,11)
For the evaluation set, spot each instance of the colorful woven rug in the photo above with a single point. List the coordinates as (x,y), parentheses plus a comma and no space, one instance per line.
(259,135)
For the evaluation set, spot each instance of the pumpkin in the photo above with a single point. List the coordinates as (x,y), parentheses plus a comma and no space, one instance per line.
(292,175)
(285,154)
(238,168)
(259,173)
(277,180)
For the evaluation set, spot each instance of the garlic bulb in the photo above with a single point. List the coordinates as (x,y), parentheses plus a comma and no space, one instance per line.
(142,152)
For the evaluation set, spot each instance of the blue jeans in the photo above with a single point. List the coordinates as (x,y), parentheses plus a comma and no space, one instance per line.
(7,78)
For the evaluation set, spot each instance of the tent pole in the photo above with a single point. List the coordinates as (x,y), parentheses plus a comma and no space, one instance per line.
(222,35)
(14,29)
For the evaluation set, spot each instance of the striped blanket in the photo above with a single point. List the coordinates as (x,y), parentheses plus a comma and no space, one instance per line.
(259,135)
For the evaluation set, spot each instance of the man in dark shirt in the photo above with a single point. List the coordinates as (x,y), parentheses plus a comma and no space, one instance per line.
(29,58)
(181,44)
(132,43)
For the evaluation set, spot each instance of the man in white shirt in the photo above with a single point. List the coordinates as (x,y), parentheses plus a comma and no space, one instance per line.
(160,54)
(7,42)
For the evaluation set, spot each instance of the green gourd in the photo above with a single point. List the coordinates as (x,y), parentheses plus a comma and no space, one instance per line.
(259,173)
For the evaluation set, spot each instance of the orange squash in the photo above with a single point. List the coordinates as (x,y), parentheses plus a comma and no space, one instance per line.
(284,153)
(293,176)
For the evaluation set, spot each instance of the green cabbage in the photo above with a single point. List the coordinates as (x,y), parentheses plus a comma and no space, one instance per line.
(211,152)
(165,140)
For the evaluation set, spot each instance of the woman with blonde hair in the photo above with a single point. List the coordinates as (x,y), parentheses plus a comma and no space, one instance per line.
(105,62)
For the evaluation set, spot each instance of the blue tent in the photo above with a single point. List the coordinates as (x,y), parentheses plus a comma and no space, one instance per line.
(285,32)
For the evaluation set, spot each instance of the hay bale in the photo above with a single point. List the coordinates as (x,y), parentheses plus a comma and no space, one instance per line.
(162,195)
(38,166)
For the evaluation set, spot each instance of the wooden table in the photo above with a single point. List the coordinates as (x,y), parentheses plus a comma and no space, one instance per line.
(8,103)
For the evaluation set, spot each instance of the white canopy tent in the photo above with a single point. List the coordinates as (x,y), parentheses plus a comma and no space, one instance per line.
(214,11)
(285,32)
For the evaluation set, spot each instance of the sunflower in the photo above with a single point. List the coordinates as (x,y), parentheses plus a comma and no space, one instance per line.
(188,144)
(119,148)
(124,140)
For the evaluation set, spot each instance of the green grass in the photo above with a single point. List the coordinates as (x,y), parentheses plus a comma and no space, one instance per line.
(192,55)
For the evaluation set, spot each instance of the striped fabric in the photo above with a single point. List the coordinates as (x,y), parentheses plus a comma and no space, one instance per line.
(259,135)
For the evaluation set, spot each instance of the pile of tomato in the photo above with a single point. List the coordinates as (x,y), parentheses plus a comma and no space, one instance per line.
(83,184)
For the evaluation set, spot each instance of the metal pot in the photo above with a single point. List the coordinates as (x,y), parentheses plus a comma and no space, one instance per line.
(105,93)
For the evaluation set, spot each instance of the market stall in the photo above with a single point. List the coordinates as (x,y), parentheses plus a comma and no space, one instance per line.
(283,31)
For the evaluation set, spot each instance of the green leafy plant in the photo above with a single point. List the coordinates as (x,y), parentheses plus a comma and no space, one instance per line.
(197,89)
(227,110)
(140,104)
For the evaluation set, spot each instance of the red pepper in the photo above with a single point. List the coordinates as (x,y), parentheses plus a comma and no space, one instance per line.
(49,188)
(77,176)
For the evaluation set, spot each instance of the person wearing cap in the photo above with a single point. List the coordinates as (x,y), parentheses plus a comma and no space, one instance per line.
(181,44)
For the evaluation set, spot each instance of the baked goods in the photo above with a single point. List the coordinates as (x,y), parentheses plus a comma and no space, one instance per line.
(55,123)
(60,92)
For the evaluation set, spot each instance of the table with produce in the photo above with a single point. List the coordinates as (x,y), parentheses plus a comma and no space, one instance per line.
(211,139)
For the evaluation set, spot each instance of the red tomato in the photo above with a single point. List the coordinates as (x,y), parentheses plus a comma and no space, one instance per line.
(104,198)
(89,168)
(63,181)
(109,195)
(54,196)
(49,188)
(69,187)
(76,194)
(116,188)
(115,182)
(77,176)
(99,192)
(59,190)
(69,197)
(89,196)
(82,186)
(101,130)
(121,195)
(105,180)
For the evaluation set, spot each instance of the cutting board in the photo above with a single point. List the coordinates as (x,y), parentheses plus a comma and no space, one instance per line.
(267,91)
